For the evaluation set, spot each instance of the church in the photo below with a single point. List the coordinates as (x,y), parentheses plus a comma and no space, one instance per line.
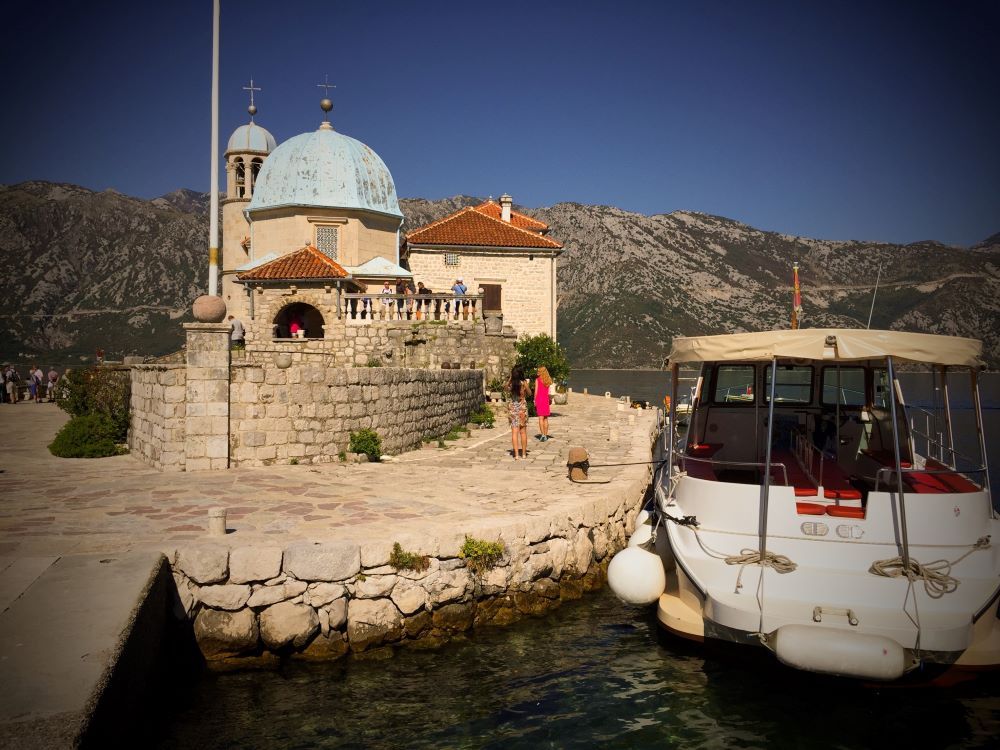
(312,230)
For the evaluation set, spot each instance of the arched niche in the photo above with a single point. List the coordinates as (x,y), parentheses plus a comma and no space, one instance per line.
(300,316)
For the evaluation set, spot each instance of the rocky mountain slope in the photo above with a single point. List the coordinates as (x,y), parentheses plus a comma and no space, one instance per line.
(89,270)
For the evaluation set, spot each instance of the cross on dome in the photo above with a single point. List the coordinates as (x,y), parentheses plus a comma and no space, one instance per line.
(325,103)
(252,109)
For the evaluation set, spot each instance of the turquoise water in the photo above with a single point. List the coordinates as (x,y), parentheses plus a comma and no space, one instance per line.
(594,673)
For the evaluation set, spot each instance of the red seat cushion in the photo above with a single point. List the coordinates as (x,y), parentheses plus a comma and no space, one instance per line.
(810,509)
(806,492)
(845,511)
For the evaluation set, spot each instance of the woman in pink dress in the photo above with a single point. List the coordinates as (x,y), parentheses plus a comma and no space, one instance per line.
(542,404)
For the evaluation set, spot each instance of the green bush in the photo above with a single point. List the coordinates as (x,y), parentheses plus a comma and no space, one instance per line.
(535,351)
(374,362)
(497,385)
(98,390)
(86,436)
(368,442)
(483,415)
(402,560)
(481,556)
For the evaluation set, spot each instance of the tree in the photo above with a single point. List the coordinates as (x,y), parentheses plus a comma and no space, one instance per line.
(535,351)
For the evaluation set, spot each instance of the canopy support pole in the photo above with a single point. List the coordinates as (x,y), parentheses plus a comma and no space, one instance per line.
(904,537)
(765,487)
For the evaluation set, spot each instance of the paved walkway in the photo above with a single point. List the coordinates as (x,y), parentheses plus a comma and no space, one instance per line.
(51,506)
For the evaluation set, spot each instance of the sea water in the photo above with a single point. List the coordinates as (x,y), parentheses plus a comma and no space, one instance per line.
(593,673)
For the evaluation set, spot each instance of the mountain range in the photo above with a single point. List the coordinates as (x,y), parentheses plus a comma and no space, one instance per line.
(89,270)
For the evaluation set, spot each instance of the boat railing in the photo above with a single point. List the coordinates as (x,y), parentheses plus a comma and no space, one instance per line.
(810,457)
(367,308)
(934,440)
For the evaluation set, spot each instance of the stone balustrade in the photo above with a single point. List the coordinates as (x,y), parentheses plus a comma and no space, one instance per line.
(365,308)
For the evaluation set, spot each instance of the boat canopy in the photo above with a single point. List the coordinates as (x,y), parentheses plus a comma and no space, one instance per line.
(830,344)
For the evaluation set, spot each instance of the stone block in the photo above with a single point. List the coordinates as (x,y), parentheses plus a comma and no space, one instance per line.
(203,563)
(371,622)
(249,564)
(226,596)
(322,561)
(337,610)
(221,634)
(454,617)
(265,596)
(320,594)
(288,624)
(373,587)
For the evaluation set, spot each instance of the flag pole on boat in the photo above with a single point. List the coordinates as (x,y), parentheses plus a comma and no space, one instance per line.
(872,311)
(796,296)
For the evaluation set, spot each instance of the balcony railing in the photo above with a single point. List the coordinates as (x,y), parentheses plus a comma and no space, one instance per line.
(369,308)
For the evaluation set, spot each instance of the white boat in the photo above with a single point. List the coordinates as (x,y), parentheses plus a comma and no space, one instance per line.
(879,541)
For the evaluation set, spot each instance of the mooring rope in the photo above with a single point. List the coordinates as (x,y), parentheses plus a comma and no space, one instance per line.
(936,575)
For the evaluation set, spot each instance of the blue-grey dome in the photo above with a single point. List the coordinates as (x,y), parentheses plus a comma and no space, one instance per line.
(251,137)
(325,169)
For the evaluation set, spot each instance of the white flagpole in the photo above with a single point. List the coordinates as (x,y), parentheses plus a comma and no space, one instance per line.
(213,231)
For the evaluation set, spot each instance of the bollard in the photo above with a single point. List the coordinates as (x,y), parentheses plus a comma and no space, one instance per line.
(577,462)
(607,394)
(216,521)
(586,391)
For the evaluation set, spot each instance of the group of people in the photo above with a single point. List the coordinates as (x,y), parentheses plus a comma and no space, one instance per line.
(38,384)
(521,390)
(406,301)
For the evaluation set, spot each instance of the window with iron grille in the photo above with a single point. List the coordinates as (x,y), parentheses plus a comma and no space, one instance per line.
(326,241)
(451,259)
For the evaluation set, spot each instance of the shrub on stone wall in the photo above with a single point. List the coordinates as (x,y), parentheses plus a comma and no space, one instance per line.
(480,555)
(98,390)
(86,436)
(368,442)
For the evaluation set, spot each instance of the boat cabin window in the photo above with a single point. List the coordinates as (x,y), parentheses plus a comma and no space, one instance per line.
(794,384)
(844,385)
(734,384)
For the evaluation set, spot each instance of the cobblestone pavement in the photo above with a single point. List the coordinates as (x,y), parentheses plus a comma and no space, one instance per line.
(53,506)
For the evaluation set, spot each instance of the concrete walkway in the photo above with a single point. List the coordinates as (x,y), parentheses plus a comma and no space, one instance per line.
(51,506)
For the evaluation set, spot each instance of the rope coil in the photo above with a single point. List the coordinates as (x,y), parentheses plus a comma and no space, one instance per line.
(936,575)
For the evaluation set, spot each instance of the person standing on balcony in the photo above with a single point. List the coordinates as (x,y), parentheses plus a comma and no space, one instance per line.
(423,300)
(401,292)
(459,290)
(386,300)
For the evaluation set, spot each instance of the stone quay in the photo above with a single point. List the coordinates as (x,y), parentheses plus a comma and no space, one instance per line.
(303,569)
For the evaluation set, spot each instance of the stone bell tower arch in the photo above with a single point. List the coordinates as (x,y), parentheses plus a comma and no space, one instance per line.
(248,147)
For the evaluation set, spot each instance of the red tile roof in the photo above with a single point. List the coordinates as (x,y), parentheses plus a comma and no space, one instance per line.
(475,227)
(492,208)
(306,264)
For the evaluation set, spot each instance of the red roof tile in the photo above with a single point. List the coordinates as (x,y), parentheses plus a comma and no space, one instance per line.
(472,227)
(305,264)
(492,208)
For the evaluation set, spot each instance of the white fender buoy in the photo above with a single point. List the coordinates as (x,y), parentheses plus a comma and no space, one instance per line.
(663,550)
(642,518)
(636,576)
(641,535)
(838,652)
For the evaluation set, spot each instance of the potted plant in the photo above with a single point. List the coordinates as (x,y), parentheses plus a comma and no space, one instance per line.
(561,396)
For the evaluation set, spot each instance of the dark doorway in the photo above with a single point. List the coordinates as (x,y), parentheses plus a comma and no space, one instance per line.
(296,317)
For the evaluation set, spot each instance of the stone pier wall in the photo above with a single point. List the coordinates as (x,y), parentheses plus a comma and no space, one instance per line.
(156,435)
(321,600)
(308,411)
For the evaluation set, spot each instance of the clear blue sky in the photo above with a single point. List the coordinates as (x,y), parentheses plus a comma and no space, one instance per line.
(868,120)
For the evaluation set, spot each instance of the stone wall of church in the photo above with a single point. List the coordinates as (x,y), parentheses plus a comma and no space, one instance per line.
(527,282)
(156,434)
(307,411)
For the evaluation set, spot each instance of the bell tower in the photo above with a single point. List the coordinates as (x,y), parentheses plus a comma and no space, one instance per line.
(248,147)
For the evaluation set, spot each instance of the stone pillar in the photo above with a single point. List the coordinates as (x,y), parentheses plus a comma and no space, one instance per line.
(207,396)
